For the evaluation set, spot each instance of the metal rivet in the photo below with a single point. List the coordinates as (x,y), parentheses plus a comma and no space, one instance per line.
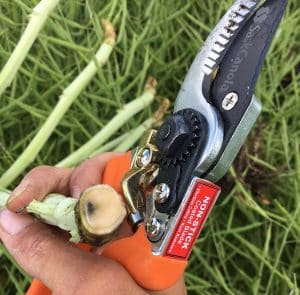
(165,131)
(230,101)
(144,157)
(161,193)
(154,228)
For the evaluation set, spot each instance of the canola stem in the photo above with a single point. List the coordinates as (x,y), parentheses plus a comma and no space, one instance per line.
(55,209)
(112,126)
(134,135)
(38,17)
(65,101)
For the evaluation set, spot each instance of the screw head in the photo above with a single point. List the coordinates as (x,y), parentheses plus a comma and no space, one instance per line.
(172,134)
(161,193)
(164,131)
(230,101)
(153,228)
(144,157)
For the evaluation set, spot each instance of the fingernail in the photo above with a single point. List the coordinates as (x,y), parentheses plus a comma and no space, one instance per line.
(20,210)
(76,192)
(19,190)
(13,223)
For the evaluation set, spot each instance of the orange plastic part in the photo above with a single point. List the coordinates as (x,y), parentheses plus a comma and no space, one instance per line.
(38,288)
(134,253)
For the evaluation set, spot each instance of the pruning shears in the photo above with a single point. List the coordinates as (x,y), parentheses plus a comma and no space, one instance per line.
(169,181)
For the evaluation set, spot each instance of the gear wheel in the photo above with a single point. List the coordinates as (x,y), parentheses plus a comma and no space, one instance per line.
(182,152)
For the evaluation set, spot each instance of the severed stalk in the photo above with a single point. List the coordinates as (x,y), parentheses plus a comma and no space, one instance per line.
(95,218)
(124,142)
(99,219)
(37,19)
(65,101)
(135,134)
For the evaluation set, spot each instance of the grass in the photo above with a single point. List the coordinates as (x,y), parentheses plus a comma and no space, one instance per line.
(251,242)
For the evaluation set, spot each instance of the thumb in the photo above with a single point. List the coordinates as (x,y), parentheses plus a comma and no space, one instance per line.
(57,263)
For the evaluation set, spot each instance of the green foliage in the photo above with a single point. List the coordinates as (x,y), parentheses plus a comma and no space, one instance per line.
(251,242)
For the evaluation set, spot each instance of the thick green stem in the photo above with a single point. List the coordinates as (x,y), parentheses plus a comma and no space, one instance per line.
(55,210)
(124,142)
(95,218)
(38,18)
(4,196)
(66,99)
(118,121)
(59,211)
(133,136)
(111,145)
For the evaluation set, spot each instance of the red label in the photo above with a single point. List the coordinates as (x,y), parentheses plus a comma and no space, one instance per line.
(201,200)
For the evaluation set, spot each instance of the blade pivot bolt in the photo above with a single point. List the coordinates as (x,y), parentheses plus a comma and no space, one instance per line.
(172,134)
(230,101)
(161,193)
(165,131)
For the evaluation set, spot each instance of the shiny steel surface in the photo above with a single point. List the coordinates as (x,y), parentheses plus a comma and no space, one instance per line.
(206,62)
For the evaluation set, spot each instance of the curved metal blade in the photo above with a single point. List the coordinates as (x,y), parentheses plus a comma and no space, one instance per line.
(192,94)
(239,70)
(237,76)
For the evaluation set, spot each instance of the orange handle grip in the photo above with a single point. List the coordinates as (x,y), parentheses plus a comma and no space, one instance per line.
(134,253)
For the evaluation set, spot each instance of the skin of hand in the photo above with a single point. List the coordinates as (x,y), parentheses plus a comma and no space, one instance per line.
(46,254)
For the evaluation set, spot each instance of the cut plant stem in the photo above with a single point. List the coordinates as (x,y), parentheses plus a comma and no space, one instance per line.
(66,99)
(99,214)
(38,17)
(135,134)
(111,145)
(95,218)
(59,211)
(112,126)
(124,142)
(4,196)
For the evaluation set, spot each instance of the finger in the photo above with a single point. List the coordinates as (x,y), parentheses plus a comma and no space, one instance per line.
(60,265)
(89,173)
(37,183)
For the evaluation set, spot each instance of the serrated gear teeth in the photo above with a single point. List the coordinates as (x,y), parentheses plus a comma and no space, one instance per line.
(232,27)
(236,18)
(227,33)
(222,40)
(242,10)
(206,70)
(248,4)
(218,48)
(213,55)
(210,63)
(224,33)
(183,154)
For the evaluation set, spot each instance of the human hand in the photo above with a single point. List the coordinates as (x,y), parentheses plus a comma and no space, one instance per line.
(47,255)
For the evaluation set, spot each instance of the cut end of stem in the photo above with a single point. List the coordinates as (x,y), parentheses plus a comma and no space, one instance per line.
(100,213)
(110,35)
(162,110)
(150,85)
